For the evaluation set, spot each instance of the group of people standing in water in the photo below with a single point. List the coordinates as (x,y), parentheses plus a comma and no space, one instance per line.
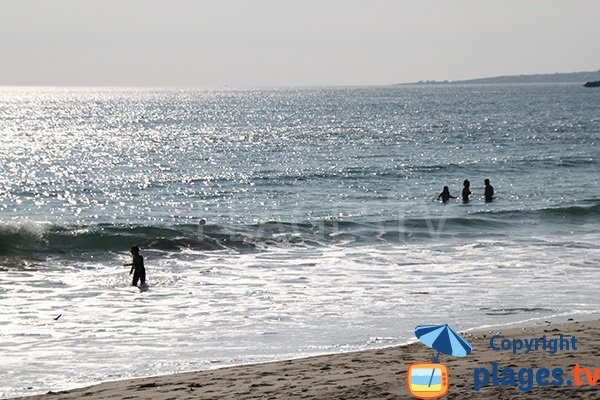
(466,192)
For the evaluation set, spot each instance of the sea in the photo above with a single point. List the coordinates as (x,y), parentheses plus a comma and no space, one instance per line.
(281,223)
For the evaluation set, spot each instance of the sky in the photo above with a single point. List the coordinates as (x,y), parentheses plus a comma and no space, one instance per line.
(266,43)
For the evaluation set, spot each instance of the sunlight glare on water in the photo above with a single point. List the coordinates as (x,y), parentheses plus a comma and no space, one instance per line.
(321,231)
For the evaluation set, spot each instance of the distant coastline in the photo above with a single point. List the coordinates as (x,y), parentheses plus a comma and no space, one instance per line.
(559,77)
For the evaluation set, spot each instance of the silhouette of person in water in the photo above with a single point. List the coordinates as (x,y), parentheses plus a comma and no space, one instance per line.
(137,266)
(489,191)
(445,195)
(466,191)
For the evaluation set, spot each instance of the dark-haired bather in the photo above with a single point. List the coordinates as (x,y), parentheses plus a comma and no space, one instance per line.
(489,191)
(137,267)
(445,195)
(466,191)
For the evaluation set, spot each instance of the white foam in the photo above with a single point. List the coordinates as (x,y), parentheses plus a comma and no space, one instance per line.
(223,308)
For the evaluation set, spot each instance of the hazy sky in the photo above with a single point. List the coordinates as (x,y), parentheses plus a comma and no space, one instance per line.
(241,43)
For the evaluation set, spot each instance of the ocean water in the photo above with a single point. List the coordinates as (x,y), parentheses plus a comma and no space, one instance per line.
(322,234)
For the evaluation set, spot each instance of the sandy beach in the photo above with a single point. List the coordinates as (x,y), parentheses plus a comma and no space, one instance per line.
(381,373)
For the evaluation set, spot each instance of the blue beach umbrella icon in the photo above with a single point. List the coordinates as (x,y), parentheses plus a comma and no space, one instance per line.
(443,339)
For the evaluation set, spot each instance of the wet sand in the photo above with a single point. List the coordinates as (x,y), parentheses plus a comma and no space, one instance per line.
(372,374)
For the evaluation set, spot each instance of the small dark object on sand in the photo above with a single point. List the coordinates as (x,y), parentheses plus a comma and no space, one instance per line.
(148,385)
(56,318)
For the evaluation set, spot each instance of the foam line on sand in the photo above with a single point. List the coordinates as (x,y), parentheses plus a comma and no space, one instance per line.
(372,374)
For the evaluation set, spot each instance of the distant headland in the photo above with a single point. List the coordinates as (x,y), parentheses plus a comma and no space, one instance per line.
(560,77)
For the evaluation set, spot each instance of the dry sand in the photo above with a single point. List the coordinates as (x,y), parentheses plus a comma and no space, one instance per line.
(372,374)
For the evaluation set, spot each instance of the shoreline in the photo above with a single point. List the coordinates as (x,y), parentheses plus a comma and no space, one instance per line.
(378,373)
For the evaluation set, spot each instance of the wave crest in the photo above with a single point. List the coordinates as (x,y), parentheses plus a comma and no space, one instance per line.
(32,238)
